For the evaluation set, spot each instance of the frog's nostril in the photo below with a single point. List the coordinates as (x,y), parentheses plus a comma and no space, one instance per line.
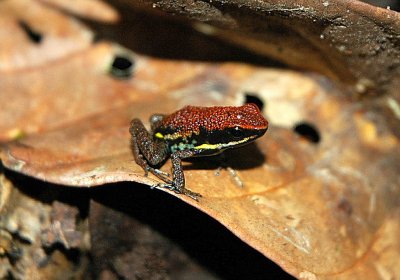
(308,131)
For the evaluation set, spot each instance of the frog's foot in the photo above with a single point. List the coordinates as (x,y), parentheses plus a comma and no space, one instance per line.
(232,172)
(191,194)
(183,191)
(161,175)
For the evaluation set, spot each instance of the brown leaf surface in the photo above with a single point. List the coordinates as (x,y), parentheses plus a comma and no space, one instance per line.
(336,200)
(32,33)
(300,201)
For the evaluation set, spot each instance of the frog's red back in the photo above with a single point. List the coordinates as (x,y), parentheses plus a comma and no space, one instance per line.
(192,119)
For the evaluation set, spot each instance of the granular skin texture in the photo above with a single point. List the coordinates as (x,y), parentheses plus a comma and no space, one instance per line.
(191,119)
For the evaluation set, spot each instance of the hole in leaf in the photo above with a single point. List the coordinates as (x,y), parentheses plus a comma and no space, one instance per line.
(308,131)
(122,67)
(253,98)
(345,206)
(33,35)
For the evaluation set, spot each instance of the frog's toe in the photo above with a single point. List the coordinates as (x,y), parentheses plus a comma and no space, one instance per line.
(164,186)
(162,173)
(191,194)
(177,190)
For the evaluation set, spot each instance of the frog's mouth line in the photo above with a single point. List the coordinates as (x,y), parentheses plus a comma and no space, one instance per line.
(220,146)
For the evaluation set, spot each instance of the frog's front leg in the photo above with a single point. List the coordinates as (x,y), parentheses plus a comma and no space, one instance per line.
(148,151)
(178,177)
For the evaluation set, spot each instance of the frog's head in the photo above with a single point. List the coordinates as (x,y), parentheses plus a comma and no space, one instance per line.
(228,127)
(213,129)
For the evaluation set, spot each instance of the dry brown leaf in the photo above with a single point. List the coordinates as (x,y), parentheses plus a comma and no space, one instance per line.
(301,202)
(32,33)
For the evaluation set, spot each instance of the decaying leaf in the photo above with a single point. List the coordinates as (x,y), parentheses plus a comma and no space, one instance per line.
(300,200)
(322,184)
(29,40)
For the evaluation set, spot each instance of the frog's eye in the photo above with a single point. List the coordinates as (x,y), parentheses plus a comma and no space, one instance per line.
(237,132)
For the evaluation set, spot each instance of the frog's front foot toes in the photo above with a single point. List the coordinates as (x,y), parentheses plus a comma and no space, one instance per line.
(188,193)
(183,191)
(191,194)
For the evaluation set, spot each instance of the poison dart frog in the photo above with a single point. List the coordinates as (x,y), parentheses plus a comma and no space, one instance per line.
(189,132)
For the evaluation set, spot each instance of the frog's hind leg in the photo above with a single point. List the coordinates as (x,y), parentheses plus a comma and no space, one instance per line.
(147,151)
